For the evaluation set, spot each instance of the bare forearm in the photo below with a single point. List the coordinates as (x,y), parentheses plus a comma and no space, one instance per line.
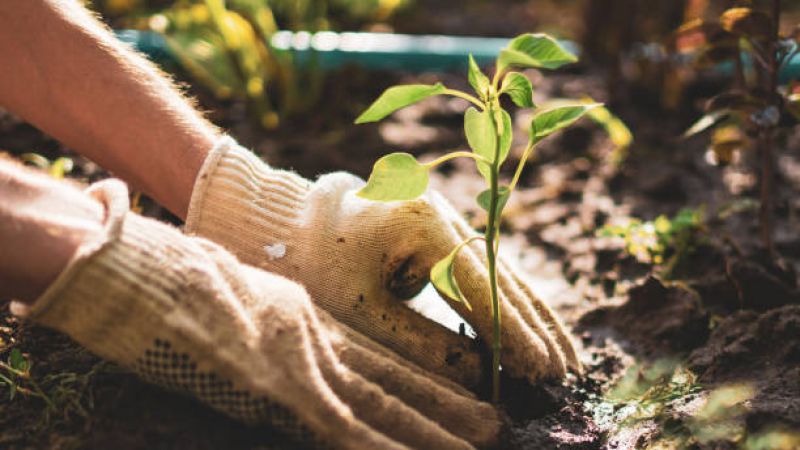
(65,73)
(42,223)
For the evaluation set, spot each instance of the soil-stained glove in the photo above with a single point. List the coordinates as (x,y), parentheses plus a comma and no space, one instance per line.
(360,259)
(184,313)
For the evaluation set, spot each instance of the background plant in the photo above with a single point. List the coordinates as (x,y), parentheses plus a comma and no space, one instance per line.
(663,241)
(225,45)
(488,130)
(752,110)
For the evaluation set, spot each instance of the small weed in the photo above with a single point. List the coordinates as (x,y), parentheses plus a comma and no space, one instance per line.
(16,374)
(645,393)
(667,394)
(64,394)
(663,241)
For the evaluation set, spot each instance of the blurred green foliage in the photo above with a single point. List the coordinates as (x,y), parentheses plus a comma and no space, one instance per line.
(644,392)
(662,241)
(57,168)
(225,45)
(688,415)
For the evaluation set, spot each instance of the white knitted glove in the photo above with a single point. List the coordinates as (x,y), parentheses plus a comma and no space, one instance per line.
(359,259)
(184,313)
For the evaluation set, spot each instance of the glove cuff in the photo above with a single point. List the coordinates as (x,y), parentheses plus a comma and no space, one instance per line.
(242,203)
(116,282)
(161,304)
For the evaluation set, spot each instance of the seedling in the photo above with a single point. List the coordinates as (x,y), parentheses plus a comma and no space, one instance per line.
(488,130)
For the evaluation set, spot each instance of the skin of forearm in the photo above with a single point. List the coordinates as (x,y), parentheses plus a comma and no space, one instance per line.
(42,224)
(63,71)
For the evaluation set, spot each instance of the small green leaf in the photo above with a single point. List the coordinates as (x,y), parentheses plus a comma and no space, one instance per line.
(485,198)
(534,50)
(396,176)
(746,22)
(61,167)
(398,97)
(518,87)
(706,122)
(481,136)
(479,126)
(478,81)
(618,132)
(506,135)
(35,159)
(551,120)
(17,361)
(443,277)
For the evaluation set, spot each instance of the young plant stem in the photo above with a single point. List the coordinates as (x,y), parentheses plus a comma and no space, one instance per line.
(465,96)
(453,155)
(525,155)
(491,256)
(766,134)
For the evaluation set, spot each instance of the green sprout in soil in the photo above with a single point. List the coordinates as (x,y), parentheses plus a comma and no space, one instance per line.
(663,241)
(64,394)
(16,374)
(645,393)
(488,130)
(687,414)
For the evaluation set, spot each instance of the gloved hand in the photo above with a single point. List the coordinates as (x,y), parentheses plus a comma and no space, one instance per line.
(186,314)
(360,259)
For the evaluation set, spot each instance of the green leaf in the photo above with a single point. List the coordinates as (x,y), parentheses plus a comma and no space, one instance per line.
(17,361)
(518,87)
(551,120)
(618,132)
(481,136)
(478,81)
(398,97)
(201,51)
(706,122)
(443,277)
(479,126)
(60,167)
(506,135)
(396,176)
(485,198)
(534,50)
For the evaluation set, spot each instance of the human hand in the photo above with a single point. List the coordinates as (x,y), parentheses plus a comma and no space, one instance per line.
(360,260)
(184,313)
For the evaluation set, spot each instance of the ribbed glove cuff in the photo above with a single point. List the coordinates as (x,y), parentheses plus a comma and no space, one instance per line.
(243,203)
(112,286)
(152,300)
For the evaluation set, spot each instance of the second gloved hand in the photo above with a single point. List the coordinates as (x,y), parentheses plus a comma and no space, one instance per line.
(185,314)
(361,259)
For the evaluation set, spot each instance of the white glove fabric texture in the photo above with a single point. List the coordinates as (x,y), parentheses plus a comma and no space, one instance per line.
(184,313)
(361,259)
